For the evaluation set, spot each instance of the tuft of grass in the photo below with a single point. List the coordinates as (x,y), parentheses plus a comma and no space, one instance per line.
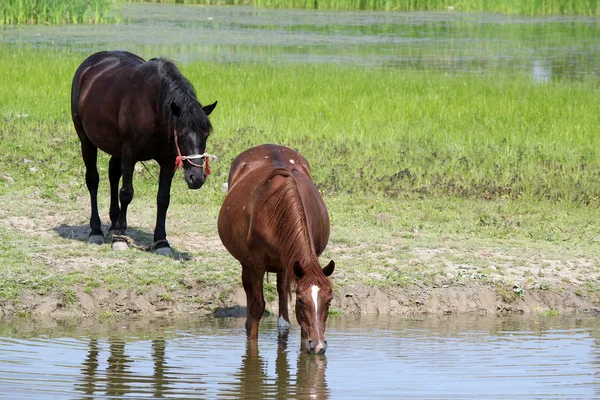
(105,316)
(509,294)
(334,311)
(552,312)
(57,12)
(167,297)
(270,291)
(525,7)
(68,298)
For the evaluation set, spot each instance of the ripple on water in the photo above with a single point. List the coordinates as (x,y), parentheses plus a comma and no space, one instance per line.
(434,357)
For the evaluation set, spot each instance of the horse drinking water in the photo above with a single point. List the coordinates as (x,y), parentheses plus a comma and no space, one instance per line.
(137,110)
(273,219)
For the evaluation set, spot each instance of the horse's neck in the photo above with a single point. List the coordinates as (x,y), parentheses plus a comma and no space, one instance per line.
(301,248)
(294,236)
(306,257)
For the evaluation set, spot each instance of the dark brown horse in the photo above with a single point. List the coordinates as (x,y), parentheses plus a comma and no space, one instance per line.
(137,110)
(273,219)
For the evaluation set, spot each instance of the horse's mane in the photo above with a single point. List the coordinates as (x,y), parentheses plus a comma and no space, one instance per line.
(175,88)
(286,211)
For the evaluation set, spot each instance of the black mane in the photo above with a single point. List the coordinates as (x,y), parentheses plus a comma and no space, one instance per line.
(176,89)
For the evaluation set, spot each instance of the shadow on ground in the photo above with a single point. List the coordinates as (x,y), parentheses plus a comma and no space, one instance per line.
(230,312)
(235,312)
(141,240)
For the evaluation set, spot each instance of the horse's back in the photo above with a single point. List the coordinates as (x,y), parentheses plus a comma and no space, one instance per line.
(99,64)
(113,91)
(266,157)
(262,180)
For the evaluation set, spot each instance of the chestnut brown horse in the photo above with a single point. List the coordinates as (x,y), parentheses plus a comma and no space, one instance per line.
(273,219)
(137,110)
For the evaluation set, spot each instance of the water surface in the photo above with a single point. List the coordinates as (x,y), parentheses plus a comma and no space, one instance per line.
(419,358)
(543,47)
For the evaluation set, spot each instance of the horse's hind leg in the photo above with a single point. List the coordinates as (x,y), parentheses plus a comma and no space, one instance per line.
(283,323)
(163,198)
(255,301)
(125,195)
(114,176)
(89,153)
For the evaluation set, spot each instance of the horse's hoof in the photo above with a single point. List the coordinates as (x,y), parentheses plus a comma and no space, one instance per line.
(283,325)
(96,239)
(164,251)
(120,245)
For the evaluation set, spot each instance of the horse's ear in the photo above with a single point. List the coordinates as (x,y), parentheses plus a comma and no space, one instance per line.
(328,269)
(208,109)
(298,270)
(175,109)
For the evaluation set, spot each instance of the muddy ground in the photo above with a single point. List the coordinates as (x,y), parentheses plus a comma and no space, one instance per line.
(351,299)
(354,299)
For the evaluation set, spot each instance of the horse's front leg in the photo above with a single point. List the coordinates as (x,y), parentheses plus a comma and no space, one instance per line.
(163,199)
(114,176)
(125,195)
(255,301)
(283,323)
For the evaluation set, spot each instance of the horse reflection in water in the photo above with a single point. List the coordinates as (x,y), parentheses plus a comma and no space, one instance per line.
(274,219)
(110,372)
(254,383)
(117,379)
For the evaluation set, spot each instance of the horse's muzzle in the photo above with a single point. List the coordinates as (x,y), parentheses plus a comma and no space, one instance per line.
(316,347)
(195,178)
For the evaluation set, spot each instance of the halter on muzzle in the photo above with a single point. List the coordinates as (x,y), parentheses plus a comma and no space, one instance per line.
(179,159)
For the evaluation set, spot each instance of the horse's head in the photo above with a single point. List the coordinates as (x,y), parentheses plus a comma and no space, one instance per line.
(190,143)
(313,295)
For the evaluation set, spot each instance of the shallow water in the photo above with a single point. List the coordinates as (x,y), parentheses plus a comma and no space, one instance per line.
(440,357)
(543,47)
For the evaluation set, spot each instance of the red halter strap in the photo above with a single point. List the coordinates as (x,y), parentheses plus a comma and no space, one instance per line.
(179,159)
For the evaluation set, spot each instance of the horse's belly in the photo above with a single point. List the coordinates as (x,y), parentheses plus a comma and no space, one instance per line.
(105,138)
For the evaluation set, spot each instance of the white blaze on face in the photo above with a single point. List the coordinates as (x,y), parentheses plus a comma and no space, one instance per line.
(315,296)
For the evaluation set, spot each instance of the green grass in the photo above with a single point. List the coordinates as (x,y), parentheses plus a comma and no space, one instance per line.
(56,12)
(382,132)
(551,313)
(526,7)
(397,133)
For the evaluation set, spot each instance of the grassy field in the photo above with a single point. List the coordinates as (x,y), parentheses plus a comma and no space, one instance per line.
(380,132)
(405,159)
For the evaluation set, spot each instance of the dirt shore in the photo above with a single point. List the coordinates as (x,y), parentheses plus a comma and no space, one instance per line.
(436,298)
(429,274)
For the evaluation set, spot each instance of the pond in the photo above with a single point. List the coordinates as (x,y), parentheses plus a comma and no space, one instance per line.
(542,47)
(449,357)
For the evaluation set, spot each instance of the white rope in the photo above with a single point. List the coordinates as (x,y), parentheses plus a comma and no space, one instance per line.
(195,156)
